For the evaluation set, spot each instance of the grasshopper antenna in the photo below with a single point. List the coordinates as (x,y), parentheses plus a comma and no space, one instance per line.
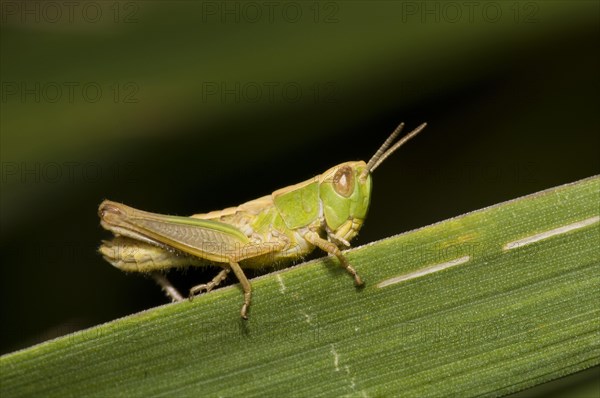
(383,152)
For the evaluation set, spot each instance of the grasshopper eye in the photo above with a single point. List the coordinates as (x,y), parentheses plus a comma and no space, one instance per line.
(343,181)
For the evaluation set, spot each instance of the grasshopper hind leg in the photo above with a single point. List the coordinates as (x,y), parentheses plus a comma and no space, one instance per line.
(167,286)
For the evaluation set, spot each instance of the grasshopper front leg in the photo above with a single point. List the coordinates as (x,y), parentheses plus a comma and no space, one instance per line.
(331,248)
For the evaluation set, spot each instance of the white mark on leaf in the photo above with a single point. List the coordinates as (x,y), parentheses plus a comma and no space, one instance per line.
(424,271)
(281,284)
(307,317)
(352,381)
(336,359)
(548,234)
(348,377)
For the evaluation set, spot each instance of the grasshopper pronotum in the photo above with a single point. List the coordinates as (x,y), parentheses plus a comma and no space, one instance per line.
(326,211)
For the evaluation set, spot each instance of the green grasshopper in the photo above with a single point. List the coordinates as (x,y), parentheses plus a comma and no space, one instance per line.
(285,225)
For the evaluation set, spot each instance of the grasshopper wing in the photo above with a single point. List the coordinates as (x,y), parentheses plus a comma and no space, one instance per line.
(207,239)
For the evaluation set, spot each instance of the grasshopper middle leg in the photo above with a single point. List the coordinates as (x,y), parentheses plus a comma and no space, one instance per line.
(237,270)
(207,287)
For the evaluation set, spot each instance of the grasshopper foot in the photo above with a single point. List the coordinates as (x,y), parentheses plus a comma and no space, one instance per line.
(244,312)
(358,282)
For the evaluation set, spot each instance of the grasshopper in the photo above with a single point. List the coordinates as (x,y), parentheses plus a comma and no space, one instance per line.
(324,212)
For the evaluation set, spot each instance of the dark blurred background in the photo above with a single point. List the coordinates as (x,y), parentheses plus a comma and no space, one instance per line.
(183,107)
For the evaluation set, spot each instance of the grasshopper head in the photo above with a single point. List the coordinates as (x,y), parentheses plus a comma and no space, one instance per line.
(345,197)
(345,190)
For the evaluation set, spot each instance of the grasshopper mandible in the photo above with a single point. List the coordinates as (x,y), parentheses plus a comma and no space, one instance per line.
(286,225)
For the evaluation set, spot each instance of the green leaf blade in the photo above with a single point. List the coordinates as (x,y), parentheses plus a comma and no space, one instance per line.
(504,317)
